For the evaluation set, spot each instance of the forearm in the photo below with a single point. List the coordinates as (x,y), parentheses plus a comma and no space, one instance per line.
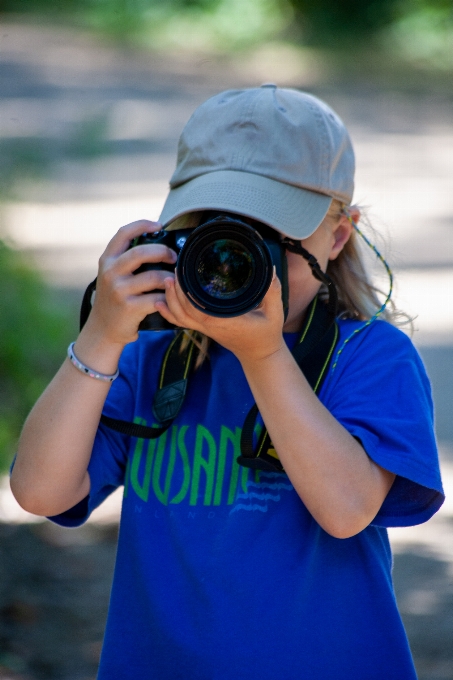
(50,472)
(339,484)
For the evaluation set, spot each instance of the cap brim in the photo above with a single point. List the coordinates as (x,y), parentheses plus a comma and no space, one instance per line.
(292,211)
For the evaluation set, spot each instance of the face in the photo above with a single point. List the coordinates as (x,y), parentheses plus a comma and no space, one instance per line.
(326,243)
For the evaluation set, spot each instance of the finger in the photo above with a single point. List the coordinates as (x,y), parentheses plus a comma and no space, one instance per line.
(121,241)
(147,303)
(133,258)
(176,305)
(169,306)
(275,288)
(188,306)
(276,284)
(120,308)
(135,310)
(145,282)
(162,307)
(271,306)
(172,299)
(181,297)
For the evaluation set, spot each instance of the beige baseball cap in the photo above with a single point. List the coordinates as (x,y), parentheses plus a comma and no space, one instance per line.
(276,155)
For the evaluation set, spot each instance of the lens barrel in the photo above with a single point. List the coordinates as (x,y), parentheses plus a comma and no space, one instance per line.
(225,267)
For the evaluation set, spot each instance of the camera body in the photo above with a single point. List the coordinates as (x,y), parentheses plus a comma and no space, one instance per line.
(224,266)
(174,240)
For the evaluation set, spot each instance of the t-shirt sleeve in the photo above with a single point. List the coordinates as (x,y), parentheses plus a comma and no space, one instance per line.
(107,466)
(380,393)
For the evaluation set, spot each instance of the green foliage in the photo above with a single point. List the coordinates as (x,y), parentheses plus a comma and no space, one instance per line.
(423,34)
(197,24)
(224,25)
(34,333)
(333,20)
(417,29)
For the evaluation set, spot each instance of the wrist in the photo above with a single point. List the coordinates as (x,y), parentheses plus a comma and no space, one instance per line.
(258,357)
(87,370)
(97,352)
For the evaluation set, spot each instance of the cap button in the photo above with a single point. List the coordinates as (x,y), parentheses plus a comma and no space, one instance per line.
(269,85)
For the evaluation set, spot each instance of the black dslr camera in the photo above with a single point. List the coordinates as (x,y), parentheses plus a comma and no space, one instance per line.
(225,265)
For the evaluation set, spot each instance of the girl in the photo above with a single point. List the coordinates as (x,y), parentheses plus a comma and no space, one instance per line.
(224,572)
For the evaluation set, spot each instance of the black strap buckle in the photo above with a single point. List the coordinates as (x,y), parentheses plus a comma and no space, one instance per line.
(169,397)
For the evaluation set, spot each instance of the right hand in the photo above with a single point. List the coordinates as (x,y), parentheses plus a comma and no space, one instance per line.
(251,337)
(122,299)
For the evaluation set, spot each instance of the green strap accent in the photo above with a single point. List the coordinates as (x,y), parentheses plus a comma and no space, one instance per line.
(309,320)
(313,354)
(328,358)
(265,450)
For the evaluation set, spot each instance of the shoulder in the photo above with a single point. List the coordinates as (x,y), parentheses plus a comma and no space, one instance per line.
(376,331)
(378,389)
(377,340)
(377,354)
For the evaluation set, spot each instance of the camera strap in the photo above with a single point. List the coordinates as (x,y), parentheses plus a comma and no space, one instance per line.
(85,308)
(178,363)
(312,353)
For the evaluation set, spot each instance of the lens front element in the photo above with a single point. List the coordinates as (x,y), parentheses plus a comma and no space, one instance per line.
(225,269)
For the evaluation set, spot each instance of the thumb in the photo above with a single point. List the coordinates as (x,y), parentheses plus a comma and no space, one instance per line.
(276,285)
(274,292)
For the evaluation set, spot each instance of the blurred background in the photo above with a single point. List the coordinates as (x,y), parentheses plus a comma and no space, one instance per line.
(93,96)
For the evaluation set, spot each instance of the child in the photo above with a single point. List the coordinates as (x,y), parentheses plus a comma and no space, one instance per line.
(225,572)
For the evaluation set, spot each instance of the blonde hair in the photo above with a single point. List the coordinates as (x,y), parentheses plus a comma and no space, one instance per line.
(358,297)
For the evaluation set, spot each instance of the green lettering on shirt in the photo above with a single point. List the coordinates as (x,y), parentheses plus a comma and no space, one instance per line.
(207,464)
(182,450)
(162,495)
(142,489)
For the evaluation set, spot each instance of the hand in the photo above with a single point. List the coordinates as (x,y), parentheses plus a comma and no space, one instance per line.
(251,336)
(122,299)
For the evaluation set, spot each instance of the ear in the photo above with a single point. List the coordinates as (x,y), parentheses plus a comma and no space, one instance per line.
(342,232)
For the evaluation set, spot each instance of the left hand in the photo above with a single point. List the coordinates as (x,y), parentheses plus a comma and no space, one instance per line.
(251,336)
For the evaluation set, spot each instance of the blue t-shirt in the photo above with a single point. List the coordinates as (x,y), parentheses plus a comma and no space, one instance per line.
(221,572)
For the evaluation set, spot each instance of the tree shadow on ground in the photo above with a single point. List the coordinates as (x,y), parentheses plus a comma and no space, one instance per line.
(424,589)
(54,593)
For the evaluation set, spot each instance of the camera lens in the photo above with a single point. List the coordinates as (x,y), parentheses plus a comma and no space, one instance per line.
(225,269)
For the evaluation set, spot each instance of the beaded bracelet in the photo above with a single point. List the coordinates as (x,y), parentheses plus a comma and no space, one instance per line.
(89,371)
